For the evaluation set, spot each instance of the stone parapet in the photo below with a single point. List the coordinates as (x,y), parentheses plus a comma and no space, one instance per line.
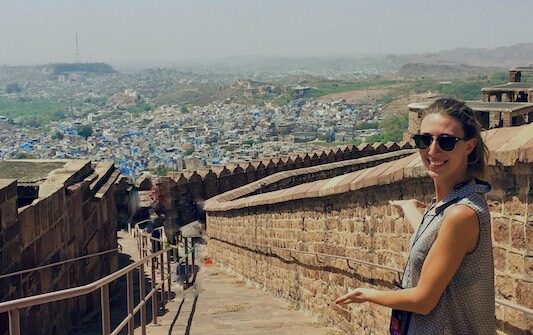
(74,214)
(349,216)
(185,192)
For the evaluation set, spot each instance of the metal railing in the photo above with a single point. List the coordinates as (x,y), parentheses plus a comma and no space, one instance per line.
(156,261)
(503,302)
(119,249)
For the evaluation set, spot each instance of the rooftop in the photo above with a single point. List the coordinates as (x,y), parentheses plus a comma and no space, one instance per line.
(480,106)
(528,68)
(28,171)
(513,86)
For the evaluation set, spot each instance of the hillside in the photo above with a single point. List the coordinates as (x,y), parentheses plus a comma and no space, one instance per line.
(502,57)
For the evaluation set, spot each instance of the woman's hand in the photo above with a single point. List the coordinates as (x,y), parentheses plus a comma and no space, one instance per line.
(410,210)
(358,295)
(403,205)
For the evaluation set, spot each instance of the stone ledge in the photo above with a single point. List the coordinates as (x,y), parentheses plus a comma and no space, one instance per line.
(248,189)
(506,147)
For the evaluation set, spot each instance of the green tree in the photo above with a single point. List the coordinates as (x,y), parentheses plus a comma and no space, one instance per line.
(161,170)
(58,135)
(392,128)
(24,155)
(184,109)
(84,130)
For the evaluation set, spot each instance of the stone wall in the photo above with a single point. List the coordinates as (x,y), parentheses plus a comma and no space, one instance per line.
(183,193)
(363,226)
(9,243)
(70,218)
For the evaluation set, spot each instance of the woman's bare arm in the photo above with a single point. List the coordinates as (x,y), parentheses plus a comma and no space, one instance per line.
(457,236)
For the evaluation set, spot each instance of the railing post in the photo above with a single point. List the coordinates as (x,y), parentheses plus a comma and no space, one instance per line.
(130,302)
(178,260)
(169,274)
(162,276)
(14,322)
(154,296)
(106,322)
(186,251)
(141,244)
(142,296)
(192,258)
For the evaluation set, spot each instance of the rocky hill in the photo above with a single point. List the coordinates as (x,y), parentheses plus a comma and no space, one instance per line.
(445,71)
(502,57)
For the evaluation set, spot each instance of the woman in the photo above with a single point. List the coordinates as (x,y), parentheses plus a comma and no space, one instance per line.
(448,282)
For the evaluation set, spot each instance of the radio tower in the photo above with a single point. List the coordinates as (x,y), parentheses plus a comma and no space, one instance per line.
(77,55)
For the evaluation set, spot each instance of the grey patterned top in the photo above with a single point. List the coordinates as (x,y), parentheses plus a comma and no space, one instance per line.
(467,304)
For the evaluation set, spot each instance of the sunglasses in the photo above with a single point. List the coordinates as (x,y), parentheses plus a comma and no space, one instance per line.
(445,142)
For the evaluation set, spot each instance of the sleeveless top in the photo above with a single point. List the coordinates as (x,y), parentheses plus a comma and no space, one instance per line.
(467,304)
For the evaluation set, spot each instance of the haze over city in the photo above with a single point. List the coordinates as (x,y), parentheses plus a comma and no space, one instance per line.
(165,32)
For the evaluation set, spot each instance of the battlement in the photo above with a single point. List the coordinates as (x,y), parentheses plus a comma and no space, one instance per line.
(507,147)
(183,193)
(281,239)
(52,211)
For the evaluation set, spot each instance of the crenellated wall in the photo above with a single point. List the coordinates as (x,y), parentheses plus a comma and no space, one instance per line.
(349,216)
(183,193)
(73,215)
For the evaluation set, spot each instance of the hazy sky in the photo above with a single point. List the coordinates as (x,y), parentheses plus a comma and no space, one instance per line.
(130,31)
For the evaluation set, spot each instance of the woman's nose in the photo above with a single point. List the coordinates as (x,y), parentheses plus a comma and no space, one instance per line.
(434,147)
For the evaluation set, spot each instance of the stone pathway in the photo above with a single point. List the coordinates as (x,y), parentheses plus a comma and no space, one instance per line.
(220,304)
(217,304)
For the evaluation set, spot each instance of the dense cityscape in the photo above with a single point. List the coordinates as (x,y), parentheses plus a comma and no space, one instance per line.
(94,118)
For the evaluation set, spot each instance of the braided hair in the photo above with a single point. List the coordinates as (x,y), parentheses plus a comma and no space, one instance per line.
(471,127)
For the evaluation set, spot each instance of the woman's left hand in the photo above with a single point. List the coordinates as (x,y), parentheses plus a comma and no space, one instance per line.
(358,295)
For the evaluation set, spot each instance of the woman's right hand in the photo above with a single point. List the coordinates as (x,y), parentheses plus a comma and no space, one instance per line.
(404,205)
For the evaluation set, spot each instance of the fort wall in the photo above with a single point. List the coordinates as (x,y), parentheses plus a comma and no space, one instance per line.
(349,216)
(183,193)
(72,217)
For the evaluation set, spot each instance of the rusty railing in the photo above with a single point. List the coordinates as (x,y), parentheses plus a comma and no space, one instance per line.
(156,261)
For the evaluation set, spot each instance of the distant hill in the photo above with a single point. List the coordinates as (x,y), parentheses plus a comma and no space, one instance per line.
(446,71)
(502,57)
(94,68)
(41,72)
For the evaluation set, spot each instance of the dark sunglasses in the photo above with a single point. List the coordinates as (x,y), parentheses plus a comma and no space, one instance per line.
(445,142)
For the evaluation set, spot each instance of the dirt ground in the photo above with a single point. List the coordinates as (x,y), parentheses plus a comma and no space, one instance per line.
(368,95)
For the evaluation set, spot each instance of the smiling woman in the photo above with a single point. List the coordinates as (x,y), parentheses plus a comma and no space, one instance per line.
(448,282)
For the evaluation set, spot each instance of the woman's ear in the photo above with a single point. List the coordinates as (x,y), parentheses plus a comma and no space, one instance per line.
(470,145)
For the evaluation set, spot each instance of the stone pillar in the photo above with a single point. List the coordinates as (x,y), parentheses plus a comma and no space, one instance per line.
(505,97)
(506,118)
(494,119)
(515,76)
(414,121)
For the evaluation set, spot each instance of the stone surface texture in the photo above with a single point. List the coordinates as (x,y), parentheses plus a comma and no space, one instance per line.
(74,215)
(349,216)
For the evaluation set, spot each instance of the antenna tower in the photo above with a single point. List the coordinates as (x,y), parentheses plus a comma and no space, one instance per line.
(77,55)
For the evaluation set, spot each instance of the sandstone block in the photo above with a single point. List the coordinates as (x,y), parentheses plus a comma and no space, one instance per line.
(515,263)
(518,236)
(501,230)
(524,293)
(500,258)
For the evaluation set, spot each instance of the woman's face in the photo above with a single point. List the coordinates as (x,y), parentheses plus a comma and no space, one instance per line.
(445,165)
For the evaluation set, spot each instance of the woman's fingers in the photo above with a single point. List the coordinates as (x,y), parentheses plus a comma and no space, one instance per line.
(348,298)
